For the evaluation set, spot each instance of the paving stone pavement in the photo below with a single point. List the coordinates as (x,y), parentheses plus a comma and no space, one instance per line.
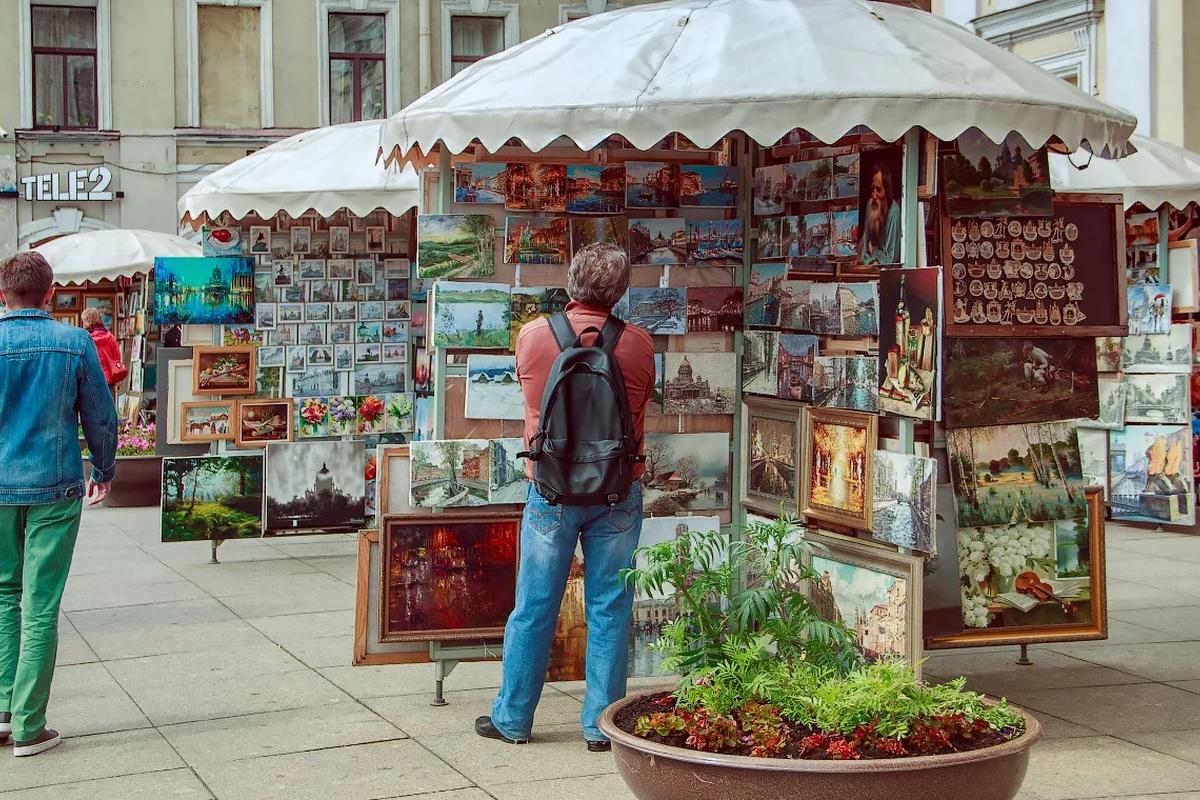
(185,680)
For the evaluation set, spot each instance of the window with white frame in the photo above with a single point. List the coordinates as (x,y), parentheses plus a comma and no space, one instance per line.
(357,67)
(475,29)
(64,55)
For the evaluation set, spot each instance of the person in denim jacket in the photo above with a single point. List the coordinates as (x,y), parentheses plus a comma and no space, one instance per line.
(50,383)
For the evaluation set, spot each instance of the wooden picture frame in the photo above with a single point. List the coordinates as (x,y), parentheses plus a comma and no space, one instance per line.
(1182,260)
(66,301)
(239,422)
(814,507)
(390,528)
(878,558)
(392,464)
(107,307)
(782,411)
(185,434)
(1110,278)
(204,357)
(368,650)
(1097,628)
(66,319)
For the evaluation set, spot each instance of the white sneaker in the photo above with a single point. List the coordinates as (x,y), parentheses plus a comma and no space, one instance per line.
(47,740)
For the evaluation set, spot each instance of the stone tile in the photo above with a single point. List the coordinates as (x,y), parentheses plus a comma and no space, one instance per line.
(1120,710)
(1139,568)
(88,758)
(388,769)
(402,679)
(136,618)
(576,689)
(122,560)
(156,640)
(607,787)
(1159,661)
(1055,728)
(248,582)
(415,716)
(339,544)
(85,700)
(1187,686)
(998,674)
(212,664)
(1103,767)
(458,794)
(176,784)
(343,568)
(1183,548)
(289,628)
(1125,595)
(1119,632)
(223,696)
(1181,623)
(335,724)
(332,596)
(116,595)
(324,651)
(555,752)
(1181,744)
(72,649)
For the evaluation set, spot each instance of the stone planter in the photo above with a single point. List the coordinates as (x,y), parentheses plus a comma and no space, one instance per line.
(138,482)
(659,772)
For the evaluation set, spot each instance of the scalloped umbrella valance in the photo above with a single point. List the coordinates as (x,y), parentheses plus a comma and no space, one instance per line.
(1159,172)
(705,68)
(111,254)
(324,169)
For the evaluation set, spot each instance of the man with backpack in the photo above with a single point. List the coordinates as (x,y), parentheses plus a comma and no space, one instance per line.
(586,377)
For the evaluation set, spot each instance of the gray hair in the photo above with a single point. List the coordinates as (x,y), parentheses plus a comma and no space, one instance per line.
(599,275)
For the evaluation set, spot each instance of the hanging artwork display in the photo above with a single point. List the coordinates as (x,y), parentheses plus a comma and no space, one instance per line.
(1007,381)
(1093,456)
(593,230)
(205,421)
(260,422)
(770,455)
(536,240)
(858,308)
(699,383)
(850,382)
(528,303)
(760,363)
(902,500)
(1112,393)
(880,206)
(661,311)
(651,184)
(211,497)
(1150,474)
(836,468)
(1182,276)
(686,472)
(456,246)
(1158,399)
(715,243)
(224,370)
(779,237)
(1149,309)
(315,485)
(479,182)
(909,335)
(450,472)
(470,315)
(595,188)
(203,291)
(1171,352)
(492,388)
(768,189)
(986,179)
(762,295)
(535,187)
(796,366)
(507,483)
(220,242)
(715,309)
(657,241)
(708,186)
(448,578)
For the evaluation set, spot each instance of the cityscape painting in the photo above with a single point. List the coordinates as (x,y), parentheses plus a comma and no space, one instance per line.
(772,453)
(535,187)
(655,242)
(479,182)
(715,243)
(903,501)
(450,472)
(715,309)
(796,366)
(708,186)
(762,295)
(660,311)
(203,291)
(850,382)
(315,485)
(651,184)
(760,363)
(699,383)
(595,188)
(536,240)
(1150,474)
(508,483)
(1157,399)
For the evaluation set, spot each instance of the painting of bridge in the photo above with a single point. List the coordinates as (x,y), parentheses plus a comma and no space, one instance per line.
(450,472)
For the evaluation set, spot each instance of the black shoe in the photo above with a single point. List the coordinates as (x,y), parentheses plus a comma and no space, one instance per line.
(46,740)
(598,746)
(485,728)
(5,727)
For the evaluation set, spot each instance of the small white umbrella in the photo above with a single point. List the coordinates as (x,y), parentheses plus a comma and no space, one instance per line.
(324,169)
(705,68)
(112,254)
(1159,172)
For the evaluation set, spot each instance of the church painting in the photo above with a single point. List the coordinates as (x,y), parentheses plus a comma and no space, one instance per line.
(203,291)
(699,383)
(317,485)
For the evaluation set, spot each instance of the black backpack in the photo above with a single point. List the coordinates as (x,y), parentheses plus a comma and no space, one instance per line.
(584,451)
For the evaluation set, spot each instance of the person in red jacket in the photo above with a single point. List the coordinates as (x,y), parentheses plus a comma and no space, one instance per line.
(107,348)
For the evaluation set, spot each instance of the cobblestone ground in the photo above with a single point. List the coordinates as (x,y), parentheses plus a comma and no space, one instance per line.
(179,679)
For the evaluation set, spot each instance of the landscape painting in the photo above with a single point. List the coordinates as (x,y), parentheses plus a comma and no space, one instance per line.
(528,303)
(772,445)
(593,230)
(651,184)
(1159,353)
(492,388)
(595,188)
(456,246)
(535,187)
(211,498)
(657,241)
(1013,473)
(686,472)
(712,309)
(984,178)
(1004,381)
(447,578)
(508,483)
(1158,399)
(1150,474)
(850,382)
(699,383)
(903,501)
(836,467)
(472,315)
(715,243)
(762,296)
(660,311)
(203,291)
(479,182)
(536,240)
(450,472)
(708,186)
(908,345)
(760,363)
(796,366)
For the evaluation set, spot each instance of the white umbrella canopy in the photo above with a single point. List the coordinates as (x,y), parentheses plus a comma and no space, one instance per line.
(324,169)
(704,68)
(1159,172)
(111,254)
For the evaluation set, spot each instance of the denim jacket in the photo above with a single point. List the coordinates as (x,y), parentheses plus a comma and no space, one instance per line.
(50,382)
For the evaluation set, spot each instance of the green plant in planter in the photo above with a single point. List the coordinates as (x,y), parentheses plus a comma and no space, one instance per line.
(764,674)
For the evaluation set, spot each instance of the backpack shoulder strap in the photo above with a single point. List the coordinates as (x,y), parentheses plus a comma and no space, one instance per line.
(611,333)
(564,334)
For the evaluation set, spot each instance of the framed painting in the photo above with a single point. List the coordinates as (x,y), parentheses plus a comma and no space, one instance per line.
(392,465)
(260,422)
(224,370)
(1056,593)
(871,588)
(211,498)
(369,651)
(450,472)
(771,451)
(206,421)
(105,304)
(66,301)
(835,468)
(448,578)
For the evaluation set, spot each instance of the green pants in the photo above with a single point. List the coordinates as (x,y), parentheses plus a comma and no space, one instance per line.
(36,545)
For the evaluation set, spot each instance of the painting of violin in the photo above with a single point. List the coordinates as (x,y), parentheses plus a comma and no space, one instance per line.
(1031,583)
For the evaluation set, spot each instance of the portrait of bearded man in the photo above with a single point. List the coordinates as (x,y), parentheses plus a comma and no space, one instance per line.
(880,242)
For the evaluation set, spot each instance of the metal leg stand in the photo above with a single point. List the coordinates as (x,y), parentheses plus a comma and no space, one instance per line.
(215,544)
(1023,658)
(440,670)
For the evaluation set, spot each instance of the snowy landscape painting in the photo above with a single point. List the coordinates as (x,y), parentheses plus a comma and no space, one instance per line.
(492,388)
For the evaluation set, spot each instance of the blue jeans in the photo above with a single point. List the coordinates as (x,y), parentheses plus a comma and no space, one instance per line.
(609,535)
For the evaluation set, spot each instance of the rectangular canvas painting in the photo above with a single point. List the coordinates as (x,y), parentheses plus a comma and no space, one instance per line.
(824,308)
(203,291)
(535,187)
(778,237)
(536,240)
(660,311)
(797,366)
(528,303)
(836,468)
(809,180)
(699,383)
(657,241)
(206,422)
(479,182)
(713,309)
(903,501)
(315,485)
(492,388)
(845,176)
(879,204)
(1003,381)
(983,178)
(850,382)
(651,184)
(772,452)
(594,230)
(768,189)
(1149,307)
(450,472)
(814,238)
(708,186)
(715,243)
(1009,473)
(795,305)
(1150,474)
(260,422)
(686,472)
(858,306)
(760,363)
(456,246)
(1112,405)
(447,578)
(595,188)
(1093,455)
(473,315)
(508,483)
(910,303)
(762,295)
(1158,399)
(844,233)
(212,497)
(1159,353)
(220,242)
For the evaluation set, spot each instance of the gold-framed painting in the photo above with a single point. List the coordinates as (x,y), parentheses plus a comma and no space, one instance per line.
(874,590)
(206,421)
(770,455)
(368,650)
(257,423)
(224,370)
(835,465)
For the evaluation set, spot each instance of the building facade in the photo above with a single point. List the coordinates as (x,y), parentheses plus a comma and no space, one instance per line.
(114,108)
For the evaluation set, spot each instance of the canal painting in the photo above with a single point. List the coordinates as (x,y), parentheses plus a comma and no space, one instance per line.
(903,500)
(762,296)
(686,472)
(651,184)
(715,308)
(796,366)
(536,240)
(845,176)
(450,472)
(203,291)
(1157,399)
(760,363)
(778,237)
(771,460)
(655,242)
(479,183)
(595,188)
(708,186)
(768,190)
(850,382)
(455,246)
(715,243)
(1150,474)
